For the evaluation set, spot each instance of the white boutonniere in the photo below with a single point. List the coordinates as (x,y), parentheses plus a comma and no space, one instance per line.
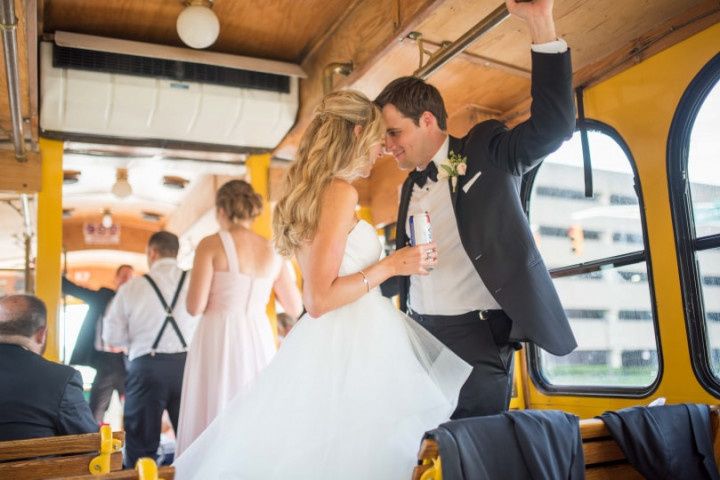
(453,167)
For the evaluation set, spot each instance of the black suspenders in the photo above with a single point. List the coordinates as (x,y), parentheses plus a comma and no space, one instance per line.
(168,312)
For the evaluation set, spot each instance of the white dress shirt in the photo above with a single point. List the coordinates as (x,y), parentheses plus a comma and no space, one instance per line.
(453,287)
(136,315)
(556,46)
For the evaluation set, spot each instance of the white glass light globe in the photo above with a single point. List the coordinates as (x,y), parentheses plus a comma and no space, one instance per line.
(198,26)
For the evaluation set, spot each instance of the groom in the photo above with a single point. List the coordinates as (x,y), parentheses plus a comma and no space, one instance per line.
(490,289)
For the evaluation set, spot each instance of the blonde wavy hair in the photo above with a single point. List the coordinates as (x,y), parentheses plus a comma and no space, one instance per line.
(329,149)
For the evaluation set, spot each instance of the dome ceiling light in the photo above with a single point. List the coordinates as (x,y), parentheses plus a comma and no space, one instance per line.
(197,25)
(121,188)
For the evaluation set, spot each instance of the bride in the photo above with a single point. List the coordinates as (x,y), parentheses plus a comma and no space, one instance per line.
(356,382)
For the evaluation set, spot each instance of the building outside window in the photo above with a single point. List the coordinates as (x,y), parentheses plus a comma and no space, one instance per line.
(612,315)
(694,180)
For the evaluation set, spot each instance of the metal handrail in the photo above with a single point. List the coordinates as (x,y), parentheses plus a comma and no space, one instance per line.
(444,55)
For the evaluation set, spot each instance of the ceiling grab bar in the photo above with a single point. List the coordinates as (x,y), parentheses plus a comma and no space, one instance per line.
(450,51)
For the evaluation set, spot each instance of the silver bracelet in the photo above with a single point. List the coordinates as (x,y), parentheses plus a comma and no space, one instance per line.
(365,280)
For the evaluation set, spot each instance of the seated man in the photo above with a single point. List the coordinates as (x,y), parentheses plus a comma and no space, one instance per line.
(38,398)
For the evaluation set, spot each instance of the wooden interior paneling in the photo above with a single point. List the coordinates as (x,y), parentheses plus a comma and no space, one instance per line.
(277,176)
(276,29)
(489,81)
(133,235)
(364,37)
(593,28)
(22,177)
(385,182)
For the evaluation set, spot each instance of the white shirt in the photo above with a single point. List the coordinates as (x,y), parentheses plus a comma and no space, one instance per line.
(453,287)
(136,315)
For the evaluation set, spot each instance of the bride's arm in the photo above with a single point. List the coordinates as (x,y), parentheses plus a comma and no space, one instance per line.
(323,289)
(287,292)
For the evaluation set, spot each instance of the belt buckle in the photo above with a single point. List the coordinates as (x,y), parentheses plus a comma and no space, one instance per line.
(483,315)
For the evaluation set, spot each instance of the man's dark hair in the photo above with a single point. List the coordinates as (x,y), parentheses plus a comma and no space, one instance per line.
(412,96)
(124,265)
(22,315)
(165,243)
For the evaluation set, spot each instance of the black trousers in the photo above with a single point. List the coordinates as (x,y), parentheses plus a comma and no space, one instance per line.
(484,344)
(154,384)
(110,375)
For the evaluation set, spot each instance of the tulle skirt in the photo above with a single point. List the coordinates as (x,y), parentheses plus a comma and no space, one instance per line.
(348,396)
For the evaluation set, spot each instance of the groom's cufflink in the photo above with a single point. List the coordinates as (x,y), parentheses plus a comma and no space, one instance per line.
(470,182)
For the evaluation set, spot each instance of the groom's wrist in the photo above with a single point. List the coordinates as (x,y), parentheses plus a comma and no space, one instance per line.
(542,29)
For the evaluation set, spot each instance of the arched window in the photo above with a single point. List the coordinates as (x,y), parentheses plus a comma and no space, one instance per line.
(595,251)
(694,180)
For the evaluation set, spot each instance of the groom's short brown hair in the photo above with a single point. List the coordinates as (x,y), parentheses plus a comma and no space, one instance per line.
(412,96)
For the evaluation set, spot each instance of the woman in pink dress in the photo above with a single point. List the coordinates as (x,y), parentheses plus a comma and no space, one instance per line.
(233,275)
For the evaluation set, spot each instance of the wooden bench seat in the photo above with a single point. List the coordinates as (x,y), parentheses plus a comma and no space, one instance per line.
(52,457)
(164,473)
(146,469)
(604,460)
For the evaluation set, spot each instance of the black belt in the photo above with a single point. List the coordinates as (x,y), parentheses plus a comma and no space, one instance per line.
(454,320)
(162,356)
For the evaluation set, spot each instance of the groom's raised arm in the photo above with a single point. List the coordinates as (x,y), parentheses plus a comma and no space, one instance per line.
(552,112)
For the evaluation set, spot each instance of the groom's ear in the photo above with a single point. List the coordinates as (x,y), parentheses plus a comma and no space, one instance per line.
(427,119)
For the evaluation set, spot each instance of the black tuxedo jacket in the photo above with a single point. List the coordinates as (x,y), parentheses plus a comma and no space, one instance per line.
(492,224)
(39,398)
(666,442)
(84,352)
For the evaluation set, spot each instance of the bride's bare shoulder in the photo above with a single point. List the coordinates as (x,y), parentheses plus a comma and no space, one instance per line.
(340,190)
(337,206)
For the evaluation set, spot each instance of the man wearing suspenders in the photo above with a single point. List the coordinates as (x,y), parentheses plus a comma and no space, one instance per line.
(148,317)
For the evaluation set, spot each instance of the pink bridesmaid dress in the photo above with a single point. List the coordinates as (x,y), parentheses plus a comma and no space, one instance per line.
(232,344)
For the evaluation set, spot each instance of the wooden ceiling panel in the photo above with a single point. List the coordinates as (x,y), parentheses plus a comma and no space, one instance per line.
(592,28)
(464,83)
(276,29)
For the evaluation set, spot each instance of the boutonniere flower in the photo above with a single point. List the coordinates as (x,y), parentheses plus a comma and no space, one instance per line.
(453,167)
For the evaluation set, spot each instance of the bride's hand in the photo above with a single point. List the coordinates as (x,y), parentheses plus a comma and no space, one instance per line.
(417,260)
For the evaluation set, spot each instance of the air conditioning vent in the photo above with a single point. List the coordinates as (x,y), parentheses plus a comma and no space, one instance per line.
(124,95)
(93,61)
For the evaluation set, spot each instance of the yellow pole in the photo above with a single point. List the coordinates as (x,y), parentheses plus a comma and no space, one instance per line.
(364,213)
(258,168)
(49,239)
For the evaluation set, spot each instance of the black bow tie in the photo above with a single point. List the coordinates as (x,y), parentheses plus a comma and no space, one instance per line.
(420,177)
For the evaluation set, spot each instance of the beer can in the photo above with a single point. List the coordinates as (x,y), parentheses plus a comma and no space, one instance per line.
(420,229)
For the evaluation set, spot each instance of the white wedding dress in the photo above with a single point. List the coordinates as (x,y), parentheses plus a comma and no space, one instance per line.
(347,397)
